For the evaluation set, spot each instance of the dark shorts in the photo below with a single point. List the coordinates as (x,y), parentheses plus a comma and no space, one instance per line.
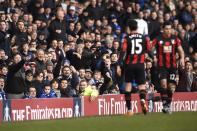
(167,73)
(135,72)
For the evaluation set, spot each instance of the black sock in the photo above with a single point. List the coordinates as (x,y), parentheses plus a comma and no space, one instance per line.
(164,96)
(170,93)
(142,94)
(128,100)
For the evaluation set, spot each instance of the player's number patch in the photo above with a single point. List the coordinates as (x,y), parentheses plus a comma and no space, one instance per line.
(172,77)
(136,47)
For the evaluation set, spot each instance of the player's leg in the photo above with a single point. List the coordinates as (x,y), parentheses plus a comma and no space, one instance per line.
(162,75)
(164,95)
(140,79)
(170,91)
(142,94)
(128,88)
(171,87)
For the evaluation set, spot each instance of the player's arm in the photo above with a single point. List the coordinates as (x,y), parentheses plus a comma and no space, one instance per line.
(153,51)
(182,56)
(123,51)
(151,47)
(153,44)
(181,53)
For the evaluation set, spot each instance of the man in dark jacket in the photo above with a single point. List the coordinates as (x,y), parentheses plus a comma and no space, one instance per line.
(21,34)
(69,73)
(187,79)
(39,61)
(4,44)
(193,45)
(153,26)
(15,84)
(57,27)
(94,10)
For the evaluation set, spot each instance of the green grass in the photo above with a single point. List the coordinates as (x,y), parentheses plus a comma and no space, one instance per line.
(179,121)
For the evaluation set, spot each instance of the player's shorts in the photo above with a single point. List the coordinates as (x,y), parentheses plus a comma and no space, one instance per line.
(167,73)
(135,72)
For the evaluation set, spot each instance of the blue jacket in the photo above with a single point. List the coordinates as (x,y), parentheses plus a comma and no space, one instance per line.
(52,94)
(2,95)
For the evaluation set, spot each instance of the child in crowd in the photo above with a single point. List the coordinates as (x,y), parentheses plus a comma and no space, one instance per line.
(48,92)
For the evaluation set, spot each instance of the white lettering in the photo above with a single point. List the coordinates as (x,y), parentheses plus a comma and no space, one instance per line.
(18,115)
(41,113)
(27,112)
(113,106)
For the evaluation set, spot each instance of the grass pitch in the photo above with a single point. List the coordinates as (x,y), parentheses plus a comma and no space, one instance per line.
(179,121)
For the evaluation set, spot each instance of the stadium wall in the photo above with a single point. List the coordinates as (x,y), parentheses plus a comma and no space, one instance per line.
(47,109)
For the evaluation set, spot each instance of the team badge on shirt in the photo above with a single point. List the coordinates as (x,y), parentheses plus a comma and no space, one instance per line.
(173,41)
(161,42)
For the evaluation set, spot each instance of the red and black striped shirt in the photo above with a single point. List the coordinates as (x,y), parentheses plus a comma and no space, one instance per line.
(135,46)
(166,49)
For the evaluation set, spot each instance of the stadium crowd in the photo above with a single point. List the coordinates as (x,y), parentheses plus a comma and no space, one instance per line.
(70,48)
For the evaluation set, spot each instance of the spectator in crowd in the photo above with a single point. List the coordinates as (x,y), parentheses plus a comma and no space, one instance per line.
(49,76)
(48,92)
(109,85)
(55,87)
(38,82)
(153,25)
(28,79)
(142,24)
(82,74)
(57,27)
(71,29)
(148,67)
(96,80)
(116,46)
(114,22)
(71,16)
(21,34)
(88,75)
(87,90)
(31,94)
(186,15)
(193,45)
(15,83)
(25,51)
(79,29)
(66,90)
(3,58)
(94,10)
(48,13)
(87,55)
(75,57)
(69,73)
(2,85)
(89,25)
(4,71)
(4,36)
(187,79)
(117,69)
(39,60)
(49,66)
(128,15)
(11,6)
(185,41)
(13,23)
